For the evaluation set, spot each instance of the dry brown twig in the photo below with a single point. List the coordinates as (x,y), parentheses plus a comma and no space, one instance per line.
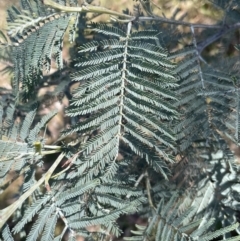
(8,211)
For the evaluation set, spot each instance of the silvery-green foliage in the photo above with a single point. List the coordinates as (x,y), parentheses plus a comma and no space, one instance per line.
(17,144)
(125,88)
(37,35)
(136,111)
(168,223)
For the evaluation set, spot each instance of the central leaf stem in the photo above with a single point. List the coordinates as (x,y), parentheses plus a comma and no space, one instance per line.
(124,70)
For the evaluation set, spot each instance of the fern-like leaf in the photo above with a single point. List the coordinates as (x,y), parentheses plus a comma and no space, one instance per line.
(165,226)
(37,36)
(125,91)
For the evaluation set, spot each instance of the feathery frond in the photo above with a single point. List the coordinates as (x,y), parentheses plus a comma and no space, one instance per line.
(169,225)
(37,36)
(124,90)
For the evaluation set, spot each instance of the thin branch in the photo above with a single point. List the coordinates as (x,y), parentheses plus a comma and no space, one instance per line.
(84,8)
(8,211)
(155,5)
(69,162)
(148,187)
(224,30)
(137,182)
(198,55)
(172,21)
(102,10)
(140,179)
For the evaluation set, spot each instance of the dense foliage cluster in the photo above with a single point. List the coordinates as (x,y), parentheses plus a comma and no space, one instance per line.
(153,124)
